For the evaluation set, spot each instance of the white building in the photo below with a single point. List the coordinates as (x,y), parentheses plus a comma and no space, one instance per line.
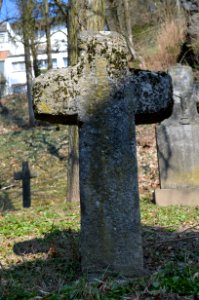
(12,60)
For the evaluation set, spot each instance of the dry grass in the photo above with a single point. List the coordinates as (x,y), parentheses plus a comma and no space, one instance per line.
(169,39)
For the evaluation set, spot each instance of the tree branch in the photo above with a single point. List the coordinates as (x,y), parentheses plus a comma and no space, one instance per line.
(60,6)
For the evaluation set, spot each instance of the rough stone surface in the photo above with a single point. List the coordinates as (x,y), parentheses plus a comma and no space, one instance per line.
(103,96)
(192,9)
(108,191)
(178,136)
(185,95)
(178,155)
(182,196)
(190,5)
(74,92)
(64,95)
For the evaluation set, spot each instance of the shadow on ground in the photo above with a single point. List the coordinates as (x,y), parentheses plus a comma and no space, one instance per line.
(45,264)
(59,263)
(162,246)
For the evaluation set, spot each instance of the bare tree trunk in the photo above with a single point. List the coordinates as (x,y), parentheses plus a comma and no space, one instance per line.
(73,29)
(1,2)
(95,15)
(119,18)
(27,50)
(128,28)
(84,15)
(29,80)
(47,30)
(73,193)
(36,68)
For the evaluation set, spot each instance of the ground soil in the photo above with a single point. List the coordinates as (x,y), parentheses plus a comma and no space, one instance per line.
(147,158)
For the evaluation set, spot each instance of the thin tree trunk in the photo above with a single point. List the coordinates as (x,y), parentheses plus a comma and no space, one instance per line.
(84,15)
(47,30)
(73,29)
(34,49)
(129,34)
(119,18)
(36,68)
(27,50)
(29,81)
(73,193)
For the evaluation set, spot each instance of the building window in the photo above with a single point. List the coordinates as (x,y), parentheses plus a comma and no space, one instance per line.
(43,63)
(1,66)
(19,88)
(2,37)
(54,62)
(65,59)
(18,66)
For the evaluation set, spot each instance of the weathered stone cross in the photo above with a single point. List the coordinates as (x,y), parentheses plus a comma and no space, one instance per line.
(102,96)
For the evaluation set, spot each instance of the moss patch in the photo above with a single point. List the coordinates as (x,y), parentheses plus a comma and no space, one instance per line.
(44,108)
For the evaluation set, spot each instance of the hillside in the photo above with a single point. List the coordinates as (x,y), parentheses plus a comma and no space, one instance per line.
(39,247)
(45,147)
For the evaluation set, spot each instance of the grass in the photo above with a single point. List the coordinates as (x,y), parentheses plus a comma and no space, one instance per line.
(40,255)
(39,247)
(44,149)
(171,216)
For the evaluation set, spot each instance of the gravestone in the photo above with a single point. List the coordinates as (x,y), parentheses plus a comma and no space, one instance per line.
(102,96)
(25,175)
(178,144)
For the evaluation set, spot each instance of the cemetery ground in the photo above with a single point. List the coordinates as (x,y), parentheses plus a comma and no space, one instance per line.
(39,246)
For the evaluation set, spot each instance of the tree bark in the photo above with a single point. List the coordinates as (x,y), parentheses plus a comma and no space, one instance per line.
(128,28)
(83,15)
(36,68)
(73,29)
(27,50)
(73,193)
(47,31)
(95,15)
(119,18)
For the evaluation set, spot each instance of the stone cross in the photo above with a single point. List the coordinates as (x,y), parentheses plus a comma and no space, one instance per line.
(102,96)
(25,175)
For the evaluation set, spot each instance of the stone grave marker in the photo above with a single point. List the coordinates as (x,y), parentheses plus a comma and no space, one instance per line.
(102,96)
(25,175)
(178,144)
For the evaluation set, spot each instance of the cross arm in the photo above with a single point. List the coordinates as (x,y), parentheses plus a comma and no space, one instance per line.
(54,95)
(154,95)
(26,172)
(18,175)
